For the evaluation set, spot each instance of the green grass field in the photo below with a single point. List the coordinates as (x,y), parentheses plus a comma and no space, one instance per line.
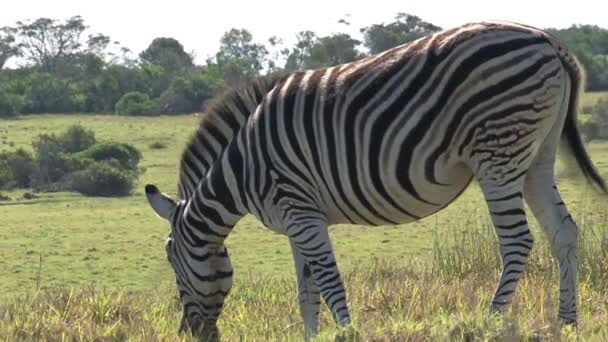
(589,99)
(117,242)
(63,243)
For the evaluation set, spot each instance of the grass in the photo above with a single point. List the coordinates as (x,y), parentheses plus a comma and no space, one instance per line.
(77,267)
(390,300)
(589,99)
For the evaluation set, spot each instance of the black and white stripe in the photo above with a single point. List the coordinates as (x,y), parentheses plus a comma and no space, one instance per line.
(389,139)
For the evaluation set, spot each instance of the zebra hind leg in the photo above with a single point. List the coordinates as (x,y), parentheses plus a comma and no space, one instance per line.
(544,200)
(506,208)
(308,234)
(309,295)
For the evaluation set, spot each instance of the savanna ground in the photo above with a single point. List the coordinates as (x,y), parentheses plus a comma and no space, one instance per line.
(85,268)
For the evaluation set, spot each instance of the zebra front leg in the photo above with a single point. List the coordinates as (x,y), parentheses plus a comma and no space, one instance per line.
(309,295)
(509,218)
(309,237)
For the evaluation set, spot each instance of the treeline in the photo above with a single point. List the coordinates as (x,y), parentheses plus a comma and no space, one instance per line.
(67,69)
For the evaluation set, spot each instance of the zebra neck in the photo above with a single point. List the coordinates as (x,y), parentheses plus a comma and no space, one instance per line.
(217,204)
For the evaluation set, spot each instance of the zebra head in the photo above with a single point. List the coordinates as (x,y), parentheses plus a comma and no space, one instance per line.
(202,266)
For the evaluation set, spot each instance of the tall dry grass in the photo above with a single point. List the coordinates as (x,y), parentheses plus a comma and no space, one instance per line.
(444,297)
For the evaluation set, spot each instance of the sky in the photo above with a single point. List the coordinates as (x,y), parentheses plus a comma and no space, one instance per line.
(198,25)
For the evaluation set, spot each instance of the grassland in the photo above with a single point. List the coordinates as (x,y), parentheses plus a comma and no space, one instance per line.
(83,267)
(589,99)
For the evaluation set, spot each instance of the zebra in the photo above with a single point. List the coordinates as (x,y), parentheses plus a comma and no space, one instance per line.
(388,139)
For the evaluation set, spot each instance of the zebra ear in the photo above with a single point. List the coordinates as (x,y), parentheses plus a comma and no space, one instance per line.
(161,203)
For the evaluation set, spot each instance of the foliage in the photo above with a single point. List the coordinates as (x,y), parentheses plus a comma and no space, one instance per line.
(590,45)
(53,163)
(312,52)
(136,103)
(239,58)
(48,94)
(126,156)
(597,126)
(405,28)
(68,69)
(163,60)
(16,168)
(167,53)
(332,50)
(52,45)
(10,104)
(8,46)
(73,160)
(77,138)
(305,42)
(103,179)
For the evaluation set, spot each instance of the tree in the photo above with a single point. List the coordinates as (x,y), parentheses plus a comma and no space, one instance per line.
(305,42)
(313,52)
(51,45)
(8,46)
(590,45)
(167,53)
(276,53)
(189,92)
(239,57)
(333,50)
(405,28)
(163,60)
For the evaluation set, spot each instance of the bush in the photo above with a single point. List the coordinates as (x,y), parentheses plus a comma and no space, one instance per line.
(45,93)
(590,129)
(18,167)
(77,138)
(137,103)
(600,109)
(52,161)
(102,179)
(188,92)
(126,156)
(157,145)
(72,161)
(10,104)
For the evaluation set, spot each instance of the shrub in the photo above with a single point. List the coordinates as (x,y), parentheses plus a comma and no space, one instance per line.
(102,179)
(18,168)
(53,163)
(137,103)
(10,104)
(125,155)
(77,138)
(590,129)
(7,180)
(157,145)
(29,195)
(600,110)
(44,93)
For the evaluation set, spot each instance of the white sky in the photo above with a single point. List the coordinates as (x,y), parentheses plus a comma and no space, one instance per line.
(198,25)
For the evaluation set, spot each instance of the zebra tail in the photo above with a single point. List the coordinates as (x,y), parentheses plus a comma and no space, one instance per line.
(571,137)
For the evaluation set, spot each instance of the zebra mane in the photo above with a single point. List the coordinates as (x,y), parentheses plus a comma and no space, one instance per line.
(222,118)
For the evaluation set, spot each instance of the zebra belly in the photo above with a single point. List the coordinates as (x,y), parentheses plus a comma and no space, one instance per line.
(394,204)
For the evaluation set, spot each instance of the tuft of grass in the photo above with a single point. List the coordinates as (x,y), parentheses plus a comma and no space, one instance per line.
(157,145)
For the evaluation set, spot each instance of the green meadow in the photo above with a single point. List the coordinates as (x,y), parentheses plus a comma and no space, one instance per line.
(81,268)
